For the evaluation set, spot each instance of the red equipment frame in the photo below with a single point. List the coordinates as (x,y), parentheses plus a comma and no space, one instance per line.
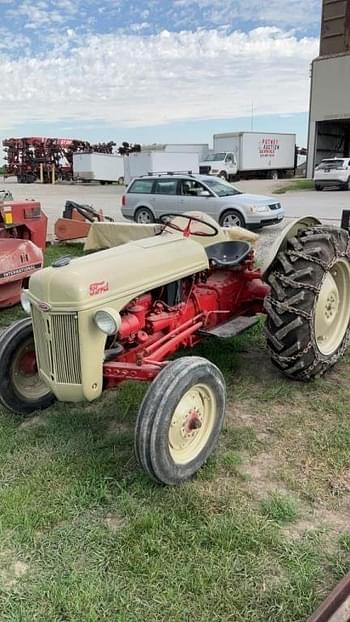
(151,330)
(26,155)
(23,228)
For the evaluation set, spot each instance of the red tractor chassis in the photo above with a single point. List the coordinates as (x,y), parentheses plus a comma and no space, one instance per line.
(152,330)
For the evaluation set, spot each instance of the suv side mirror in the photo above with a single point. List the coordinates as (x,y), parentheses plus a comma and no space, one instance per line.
(204,193)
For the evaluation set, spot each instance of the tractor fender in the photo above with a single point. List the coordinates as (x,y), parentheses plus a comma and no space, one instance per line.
(290,231)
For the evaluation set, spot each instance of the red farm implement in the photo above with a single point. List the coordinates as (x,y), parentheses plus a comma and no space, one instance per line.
(36,158)
(23,228)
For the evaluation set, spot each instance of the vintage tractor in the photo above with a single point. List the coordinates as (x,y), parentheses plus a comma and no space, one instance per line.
(121,313)
(23,227)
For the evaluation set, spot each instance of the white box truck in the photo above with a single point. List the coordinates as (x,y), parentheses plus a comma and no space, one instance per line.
(103,167)
(251,154)
(201,148)
(148,162)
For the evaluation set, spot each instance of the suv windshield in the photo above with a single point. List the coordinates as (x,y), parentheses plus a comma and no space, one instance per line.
(222,188)
(215,157)
(331,164)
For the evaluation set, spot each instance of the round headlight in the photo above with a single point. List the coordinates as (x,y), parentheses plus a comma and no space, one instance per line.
(25,301)
(106,322)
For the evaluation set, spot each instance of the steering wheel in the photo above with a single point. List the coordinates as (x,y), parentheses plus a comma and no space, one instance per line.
(165,219)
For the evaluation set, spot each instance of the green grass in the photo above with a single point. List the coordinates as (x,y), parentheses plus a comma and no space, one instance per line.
(260,534)
(297,184)
(54,251)
(279,508)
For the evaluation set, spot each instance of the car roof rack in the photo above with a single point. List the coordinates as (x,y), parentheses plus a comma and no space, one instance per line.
(167,173)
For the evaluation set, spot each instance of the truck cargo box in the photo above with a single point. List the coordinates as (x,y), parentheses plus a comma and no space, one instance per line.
(102,167)
(258,151)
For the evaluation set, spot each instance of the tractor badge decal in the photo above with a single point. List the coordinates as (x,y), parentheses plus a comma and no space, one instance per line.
(98,288)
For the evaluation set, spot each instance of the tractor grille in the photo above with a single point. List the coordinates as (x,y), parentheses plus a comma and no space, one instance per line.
(57,345)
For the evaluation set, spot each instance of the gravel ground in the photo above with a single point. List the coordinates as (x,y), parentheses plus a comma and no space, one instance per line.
(326,205)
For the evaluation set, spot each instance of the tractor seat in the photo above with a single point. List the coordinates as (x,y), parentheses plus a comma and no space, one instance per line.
(228,254)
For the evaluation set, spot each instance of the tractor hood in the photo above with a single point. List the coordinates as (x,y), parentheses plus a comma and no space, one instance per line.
(117,275)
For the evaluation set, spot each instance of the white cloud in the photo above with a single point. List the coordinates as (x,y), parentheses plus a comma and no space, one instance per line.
(134,80)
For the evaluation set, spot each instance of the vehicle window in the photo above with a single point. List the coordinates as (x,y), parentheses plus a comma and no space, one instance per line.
(166,186)
(215,157)
(331,164)
(141,186)
(222,188)
(229,158)
(191,187)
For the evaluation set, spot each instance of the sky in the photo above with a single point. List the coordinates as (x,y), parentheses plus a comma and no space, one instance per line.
(156,71)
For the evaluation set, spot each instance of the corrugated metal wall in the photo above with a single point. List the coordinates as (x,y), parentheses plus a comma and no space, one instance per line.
(335,29)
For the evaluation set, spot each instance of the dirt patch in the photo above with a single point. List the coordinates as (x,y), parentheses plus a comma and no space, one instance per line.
(262,475)
(336,522)
(11,571)
(114,522)
(118,427)
(33,422)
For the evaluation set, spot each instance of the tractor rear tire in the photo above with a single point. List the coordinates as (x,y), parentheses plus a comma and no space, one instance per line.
(21,389)
(180,420)
(308,310)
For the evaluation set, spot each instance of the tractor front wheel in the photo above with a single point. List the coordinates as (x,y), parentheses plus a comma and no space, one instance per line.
(180,420)
(21,389)
(308,311)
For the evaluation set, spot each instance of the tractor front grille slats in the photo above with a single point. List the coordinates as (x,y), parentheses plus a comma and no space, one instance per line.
(57,345)
(42,345)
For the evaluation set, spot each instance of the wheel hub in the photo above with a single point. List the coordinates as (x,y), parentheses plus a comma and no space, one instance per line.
(332,311)
(191,424)
(24,373)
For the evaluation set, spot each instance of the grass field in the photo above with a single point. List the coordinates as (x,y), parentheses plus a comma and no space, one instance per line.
(262,533)
(296,184)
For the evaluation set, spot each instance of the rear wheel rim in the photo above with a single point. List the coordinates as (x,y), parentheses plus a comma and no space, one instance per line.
(144,217)
(192,424)
(24,374)
(332,311)
(231,220)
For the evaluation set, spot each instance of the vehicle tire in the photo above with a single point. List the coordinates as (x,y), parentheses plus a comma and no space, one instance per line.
(103,183)
(180,420)
(232,218)
(144,216)
(223,175)
(274,175)
(347,186)
(308,310)
(318,187)
(21,389)
(121,181)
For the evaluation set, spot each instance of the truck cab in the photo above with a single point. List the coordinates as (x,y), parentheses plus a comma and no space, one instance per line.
(222,164)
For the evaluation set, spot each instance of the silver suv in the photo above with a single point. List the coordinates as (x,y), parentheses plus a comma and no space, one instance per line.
(150,196)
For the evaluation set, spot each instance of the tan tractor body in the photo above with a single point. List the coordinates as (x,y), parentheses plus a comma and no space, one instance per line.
(120,314)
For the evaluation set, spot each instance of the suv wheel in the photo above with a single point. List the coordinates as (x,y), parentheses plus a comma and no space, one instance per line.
(232,218)
(144,216)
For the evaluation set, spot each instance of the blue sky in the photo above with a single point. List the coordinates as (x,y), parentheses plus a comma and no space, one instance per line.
(156,71)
